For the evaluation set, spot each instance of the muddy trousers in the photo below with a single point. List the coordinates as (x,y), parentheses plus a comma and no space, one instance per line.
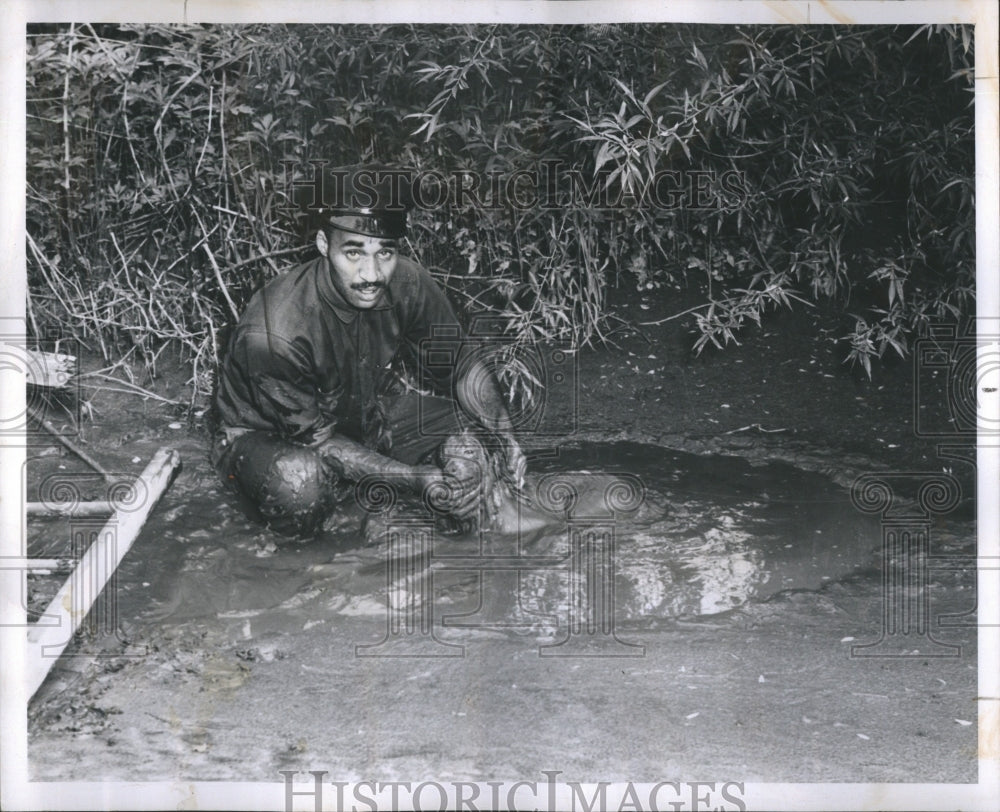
(293,490)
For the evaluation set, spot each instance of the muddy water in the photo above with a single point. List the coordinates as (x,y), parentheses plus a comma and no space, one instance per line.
(676,534)
(240,657)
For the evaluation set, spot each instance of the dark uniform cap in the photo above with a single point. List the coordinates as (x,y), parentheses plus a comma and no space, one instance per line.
(371,199)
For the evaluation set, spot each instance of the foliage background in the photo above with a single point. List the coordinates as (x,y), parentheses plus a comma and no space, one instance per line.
(161,160)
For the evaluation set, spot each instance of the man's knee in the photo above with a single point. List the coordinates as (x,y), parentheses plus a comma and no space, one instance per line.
(296,480)
(287,485)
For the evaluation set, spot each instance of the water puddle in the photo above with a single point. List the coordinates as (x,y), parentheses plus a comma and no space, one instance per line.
(637,531)
(715,532)
(233,657)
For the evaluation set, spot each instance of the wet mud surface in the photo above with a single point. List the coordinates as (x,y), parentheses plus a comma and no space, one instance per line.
(738,592)
(700,626)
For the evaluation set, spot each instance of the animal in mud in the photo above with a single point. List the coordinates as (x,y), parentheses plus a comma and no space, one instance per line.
(505,507)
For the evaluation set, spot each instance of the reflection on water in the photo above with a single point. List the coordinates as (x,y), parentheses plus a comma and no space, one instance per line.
(648,532)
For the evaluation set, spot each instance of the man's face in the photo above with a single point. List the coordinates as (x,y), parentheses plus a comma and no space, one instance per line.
(360,266)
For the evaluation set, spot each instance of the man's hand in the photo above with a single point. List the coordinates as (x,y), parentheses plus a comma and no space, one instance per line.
(457,488)
(514,463)
(479,394)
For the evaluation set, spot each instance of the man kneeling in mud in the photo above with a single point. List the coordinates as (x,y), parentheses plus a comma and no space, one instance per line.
(304,400)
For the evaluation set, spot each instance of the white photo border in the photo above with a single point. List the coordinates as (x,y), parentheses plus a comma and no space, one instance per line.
(17,792)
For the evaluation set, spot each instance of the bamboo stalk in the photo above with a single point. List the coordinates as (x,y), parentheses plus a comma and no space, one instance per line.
(65,110)
(133,388)
(284,252)
(69,445)
(208,131)
(47,639)
(217,270)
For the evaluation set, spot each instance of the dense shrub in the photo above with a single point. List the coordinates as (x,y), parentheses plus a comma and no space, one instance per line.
(837,162)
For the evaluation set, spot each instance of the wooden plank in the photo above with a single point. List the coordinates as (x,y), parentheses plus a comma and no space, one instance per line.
(44,566)
(99,508)
(38,565)
(48,638)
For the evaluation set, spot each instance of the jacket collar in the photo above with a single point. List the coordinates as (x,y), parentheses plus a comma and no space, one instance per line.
(330,296)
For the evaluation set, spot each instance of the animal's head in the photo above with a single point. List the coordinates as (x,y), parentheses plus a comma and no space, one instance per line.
(464,456)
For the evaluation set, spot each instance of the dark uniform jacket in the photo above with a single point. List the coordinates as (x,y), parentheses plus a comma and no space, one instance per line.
(303,363)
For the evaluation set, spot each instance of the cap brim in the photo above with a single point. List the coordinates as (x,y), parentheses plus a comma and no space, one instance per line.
(388,224)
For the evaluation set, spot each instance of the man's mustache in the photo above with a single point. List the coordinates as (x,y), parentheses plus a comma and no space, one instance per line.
(367,285)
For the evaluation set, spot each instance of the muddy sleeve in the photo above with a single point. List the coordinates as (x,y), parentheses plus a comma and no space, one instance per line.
(280,387)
